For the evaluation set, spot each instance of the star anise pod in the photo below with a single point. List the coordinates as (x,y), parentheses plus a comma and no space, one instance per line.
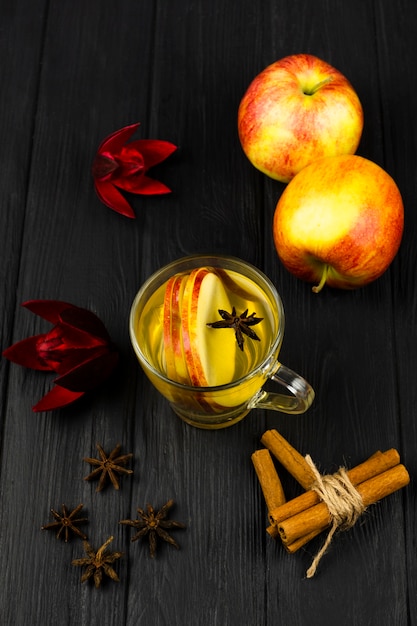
(98,562)
(240,324)
(154,525)
(108,466)
(67,522)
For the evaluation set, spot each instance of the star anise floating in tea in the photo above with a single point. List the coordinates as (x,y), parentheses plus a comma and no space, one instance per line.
(108,466)
(240,323)
(66,523)
(154,525)
(98,562)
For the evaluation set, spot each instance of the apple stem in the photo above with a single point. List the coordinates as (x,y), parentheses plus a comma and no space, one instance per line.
(322,83)
(323,279)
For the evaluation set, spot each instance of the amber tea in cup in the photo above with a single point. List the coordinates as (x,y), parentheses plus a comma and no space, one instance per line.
(207,331)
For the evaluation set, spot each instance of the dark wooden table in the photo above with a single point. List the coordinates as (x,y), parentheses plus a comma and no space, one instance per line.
(73,72)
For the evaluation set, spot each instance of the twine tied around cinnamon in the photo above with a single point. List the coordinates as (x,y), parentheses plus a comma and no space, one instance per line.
(344,502)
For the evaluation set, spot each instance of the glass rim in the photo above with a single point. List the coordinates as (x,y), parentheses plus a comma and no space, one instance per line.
(216,260)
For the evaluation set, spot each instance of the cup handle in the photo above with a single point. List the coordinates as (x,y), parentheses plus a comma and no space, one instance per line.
(301,398)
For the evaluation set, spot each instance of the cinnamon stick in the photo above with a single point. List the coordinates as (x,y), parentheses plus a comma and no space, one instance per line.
(289,457)
(299,543)
(268,479)
(376,464)
(316,518)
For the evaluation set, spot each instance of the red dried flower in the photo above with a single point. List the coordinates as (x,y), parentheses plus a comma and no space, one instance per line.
(124,165)
(78,348)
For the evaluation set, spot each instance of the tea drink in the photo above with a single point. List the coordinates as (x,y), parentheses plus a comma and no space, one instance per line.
(207,331)
(189,331)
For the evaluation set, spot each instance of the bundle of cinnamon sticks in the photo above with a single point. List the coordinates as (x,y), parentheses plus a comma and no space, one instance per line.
(301,519)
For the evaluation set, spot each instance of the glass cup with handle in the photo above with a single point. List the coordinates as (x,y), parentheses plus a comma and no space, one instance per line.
(207,331)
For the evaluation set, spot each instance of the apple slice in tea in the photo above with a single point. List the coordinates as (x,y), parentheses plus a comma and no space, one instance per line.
(210,356)
(176,367)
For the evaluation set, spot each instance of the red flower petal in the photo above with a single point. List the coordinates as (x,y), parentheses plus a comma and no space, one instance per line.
(112,198)
(49,310)
(104,166)
(85,321)
(154,151)
(150,186)
(56,398)
(132,184)
(61,364)
(25,353)
(131,164)
(115,142)
(87,375)
(64,338)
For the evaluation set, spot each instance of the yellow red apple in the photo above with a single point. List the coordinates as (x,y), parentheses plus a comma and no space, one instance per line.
(295,111)
(339,221)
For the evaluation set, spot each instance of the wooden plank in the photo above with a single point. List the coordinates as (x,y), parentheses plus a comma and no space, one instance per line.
(397,28)
(20,51)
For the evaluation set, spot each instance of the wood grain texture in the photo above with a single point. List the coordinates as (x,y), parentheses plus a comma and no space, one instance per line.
(71,74)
